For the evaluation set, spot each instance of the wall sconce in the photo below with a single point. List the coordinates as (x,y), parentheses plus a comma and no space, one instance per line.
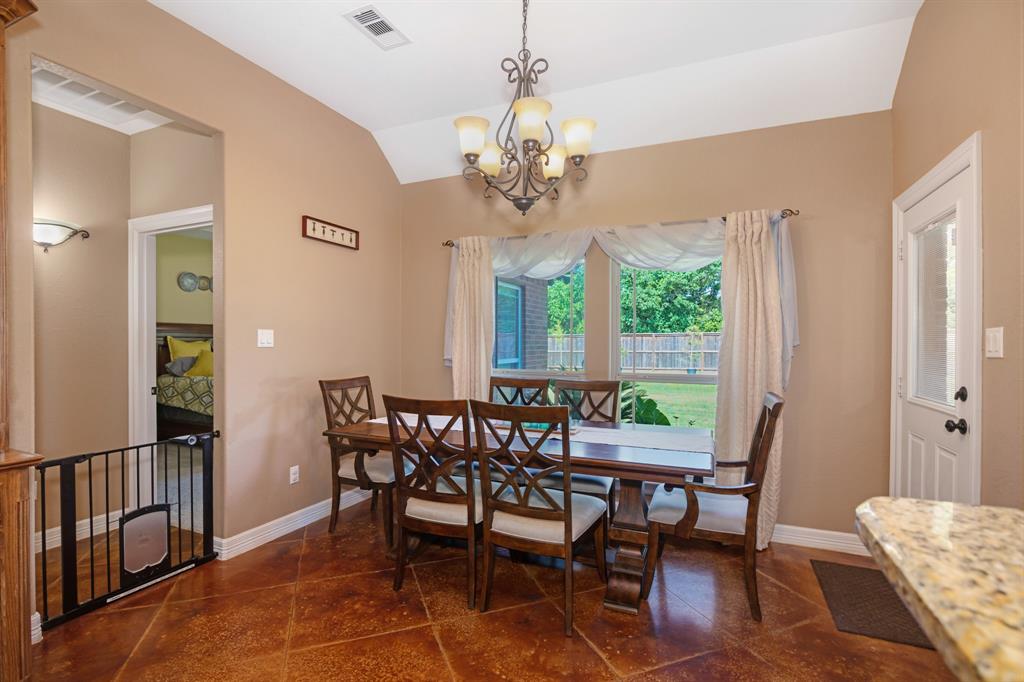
(47,233)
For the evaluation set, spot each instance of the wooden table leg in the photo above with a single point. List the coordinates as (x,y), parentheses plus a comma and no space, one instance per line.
(628,535)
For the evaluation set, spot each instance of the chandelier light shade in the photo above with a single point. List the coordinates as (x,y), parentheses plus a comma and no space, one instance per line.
(472,134)
(577,132)
(490,160)
(532,113)
(524,163)
(555,166)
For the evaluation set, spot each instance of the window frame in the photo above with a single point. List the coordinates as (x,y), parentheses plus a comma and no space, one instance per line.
(615,346)
(520,293)
(545,373)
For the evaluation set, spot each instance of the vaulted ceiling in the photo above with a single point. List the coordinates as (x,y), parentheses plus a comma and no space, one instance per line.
(649,71)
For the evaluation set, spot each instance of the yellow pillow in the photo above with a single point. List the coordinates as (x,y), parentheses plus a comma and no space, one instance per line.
(186,349)
(203,366)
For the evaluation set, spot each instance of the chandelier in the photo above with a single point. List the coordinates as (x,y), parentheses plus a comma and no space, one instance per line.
(526,169)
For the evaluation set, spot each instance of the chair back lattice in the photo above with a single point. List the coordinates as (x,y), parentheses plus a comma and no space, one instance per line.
(429,439)
(347,401)
(507,391)
(513,459)
(594,401)
(761,442)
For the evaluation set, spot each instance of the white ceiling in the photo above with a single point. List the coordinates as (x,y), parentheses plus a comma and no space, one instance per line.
(58,88)
(649,71)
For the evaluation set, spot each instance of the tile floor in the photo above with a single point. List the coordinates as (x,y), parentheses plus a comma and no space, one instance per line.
(316,606)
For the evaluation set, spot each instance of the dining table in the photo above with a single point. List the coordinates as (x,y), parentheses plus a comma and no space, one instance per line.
(631,453)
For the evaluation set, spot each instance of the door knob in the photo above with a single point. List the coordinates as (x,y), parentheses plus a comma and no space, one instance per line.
(961,394)
(960,426)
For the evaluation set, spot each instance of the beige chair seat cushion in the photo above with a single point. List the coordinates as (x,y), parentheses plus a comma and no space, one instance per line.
(380,468)
(720,513)
(450,513)
(581,483)
(585,510)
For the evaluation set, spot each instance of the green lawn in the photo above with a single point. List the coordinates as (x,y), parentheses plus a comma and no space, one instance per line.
(683,403)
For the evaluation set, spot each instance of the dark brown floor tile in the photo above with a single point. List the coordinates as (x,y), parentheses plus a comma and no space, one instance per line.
(213,638)
(718,591)
(345,608)
(550,575)
(733,664)
(520,643)
(816,650)
(791,566)
(443,585)
(404,655)
(667,629)
(356,550)
(265,566)
(91,647)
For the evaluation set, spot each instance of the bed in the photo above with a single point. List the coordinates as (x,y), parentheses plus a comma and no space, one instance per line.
(184,404)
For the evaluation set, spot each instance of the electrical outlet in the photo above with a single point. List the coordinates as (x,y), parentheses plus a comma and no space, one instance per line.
(293,475)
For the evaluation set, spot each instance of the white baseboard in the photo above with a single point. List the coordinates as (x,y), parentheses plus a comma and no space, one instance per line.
(833,540)
(81,530)
(37,628)
(228,548)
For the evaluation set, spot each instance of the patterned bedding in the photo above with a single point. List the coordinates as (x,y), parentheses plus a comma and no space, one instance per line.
(187,393)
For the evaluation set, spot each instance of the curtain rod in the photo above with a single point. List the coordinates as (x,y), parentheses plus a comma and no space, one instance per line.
(784,213)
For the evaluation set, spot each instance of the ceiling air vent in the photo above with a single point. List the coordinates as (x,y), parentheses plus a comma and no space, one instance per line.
(375,27)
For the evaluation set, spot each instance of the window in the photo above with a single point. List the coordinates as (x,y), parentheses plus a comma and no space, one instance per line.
(669,333)
(508,325)
(538,324)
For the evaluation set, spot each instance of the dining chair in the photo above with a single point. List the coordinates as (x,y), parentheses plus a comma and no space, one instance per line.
(429,439)
(509,391)
(349,401)
(519,513)
(723,513)
(595,401)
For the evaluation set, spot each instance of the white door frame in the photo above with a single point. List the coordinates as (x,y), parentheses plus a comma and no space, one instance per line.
(142,315)
(965,158)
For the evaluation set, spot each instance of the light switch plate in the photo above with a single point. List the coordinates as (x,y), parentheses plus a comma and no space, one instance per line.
(293,475)
(994,342)
(264,338)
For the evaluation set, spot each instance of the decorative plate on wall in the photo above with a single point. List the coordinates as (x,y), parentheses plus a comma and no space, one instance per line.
(187,281)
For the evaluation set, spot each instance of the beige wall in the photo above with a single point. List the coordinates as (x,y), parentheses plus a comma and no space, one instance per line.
(81,301)
(837,172)
(962,73)
(173,167)
(283,155)
(177,253)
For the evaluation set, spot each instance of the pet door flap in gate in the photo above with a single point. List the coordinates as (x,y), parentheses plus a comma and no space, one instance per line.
(145,543)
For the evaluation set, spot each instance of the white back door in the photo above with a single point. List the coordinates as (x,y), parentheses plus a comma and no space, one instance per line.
(937,331)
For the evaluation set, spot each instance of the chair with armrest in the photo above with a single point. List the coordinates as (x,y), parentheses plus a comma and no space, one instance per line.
(521,514)
(723,513)
(431,450)
(349,401)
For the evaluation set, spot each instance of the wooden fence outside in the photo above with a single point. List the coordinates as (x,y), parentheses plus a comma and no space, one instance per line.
(690,352)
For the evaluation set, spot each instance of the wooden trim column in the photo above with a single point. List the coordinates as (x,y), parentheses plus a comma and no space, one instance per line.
(15,467)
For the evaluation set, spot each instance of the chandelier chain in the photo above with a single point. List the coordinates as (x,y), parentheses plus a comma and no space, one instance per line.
(526,4)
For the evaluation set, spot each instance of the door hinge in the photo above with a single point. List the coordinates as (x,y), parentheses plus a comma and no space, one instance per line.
(899,251)
(152,390)
(899,387)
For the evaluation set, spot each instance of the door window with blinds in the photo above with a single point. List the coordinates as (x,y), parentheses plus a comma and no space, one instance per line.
(934,331)
(667,344)
(538,324)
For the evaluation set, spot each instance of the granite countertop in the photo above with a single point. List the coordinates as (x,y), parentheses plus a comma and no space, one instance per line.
(960,570)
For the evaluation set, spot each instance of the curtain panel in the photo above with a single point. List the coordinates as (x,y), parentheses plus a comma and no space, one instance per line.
(751,354)
(473,321)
